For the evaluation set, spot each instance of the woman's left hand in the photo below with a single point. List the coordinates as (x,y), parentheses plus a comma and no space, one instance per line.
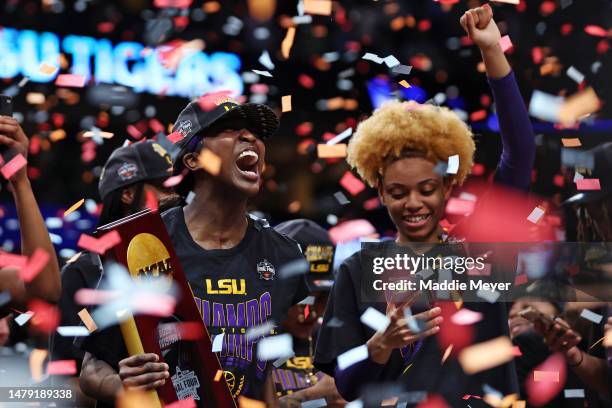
(478,23)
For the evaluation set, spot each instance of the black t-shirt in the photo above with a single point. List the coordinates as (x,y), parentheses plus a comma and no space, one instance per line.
(234,289)
(414,372)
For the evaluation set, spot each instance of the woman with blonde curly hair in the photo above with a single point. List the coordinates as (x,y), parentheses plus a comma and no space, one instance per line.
(399,150)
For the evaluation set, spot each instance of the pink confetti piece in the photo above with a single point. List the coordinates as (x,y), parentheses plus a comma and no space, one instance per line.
(588,184)
(457,206)
(549,376)
(153,304)
(351,183)
(595,31)
(505,43)
(37,262)
(86,296)
(545,388)
(182,4)
(99,245)
(70,80)
(174,137)
(521,279)
(516,351)
(466,317)
(12,260)
(13,166)
(62,367)
(186,403)
(478,115)
(174,180)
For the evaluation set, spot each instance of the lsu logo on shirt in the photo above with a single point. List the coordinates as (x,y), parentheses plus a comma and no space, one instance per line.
(226,287)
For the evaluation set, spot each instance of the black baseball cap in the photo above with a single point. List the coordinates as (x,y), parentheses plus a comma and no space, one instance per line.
(602,170)
(318,249)
(142,161)
(199,115)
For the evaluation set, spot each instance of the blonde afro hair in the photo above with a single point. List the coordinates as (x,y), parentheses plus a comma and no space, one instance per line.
(436,132)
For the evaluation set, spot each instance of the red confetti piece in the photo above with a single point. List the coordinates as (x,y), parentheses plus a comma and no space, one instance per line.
(350,230)
(37,262)
(62,367)
(70,80)
(156,126)
(351,183)
(588,184)
(542,391)
(306,311)
(12,260)
(303,129)
(174,137)
(172,3)
(134,132)
(306,81)
(433,401)
(595,31)
(516,351)
(521,279)
(151,200)
(46,317)
(13,166)
(478,115)
(371,204)
(99,245)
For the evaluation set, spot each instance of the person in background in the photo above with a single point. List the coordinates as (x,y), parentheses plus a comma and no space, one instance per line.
(130,175)
(34,234)
(297,380)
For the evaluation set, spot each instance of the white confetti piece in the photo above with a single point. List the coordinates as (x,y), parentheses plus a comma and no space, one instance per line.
(576,75)
(266,61)
(264,73)
(592,316)
(578,176)
(352,356)
(490,296)
(261,330)
(535,215)
(307,19)
(218,343)
(402,69)
(281,361)
(73,331)
(340,137)
(293,268)
(275,347)
(453,164)
(372,57)
(308,300)
(23,318)
(468,196)
(545,106)
(354,404)
(391,61)
(318,403)
(573,393)
(375,319)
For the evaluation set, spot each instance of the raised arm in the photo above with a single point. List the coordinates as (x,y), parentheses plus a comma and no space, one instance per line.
(34,232)
(518,142)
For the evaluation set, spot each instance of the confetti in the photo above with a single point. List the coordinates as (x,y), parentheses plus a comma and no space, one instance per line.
(12,260)
(286,103)
(546,376)
(351,183)
(486,355)
(271,348)
(36,263)
(576,75)
(545,106)
(217,344)
(571,142)
(516,351)
(573,393)
(335,151)
(404,83)
(259,331)
(172,3)
(23,318)
(218,375)
(505,43)
(542,390)
(466,317)
(402,69)
(70,80)
(490,296)
(341,198)
(340,137)
(266,61)
(74,207)
(456,206)
(73,331)
(375,319)
(453,164)
(244,402)
(184,403)
(320,7)
(588,184)
(175,137)
(48,69)
(591,316)
(174,180)
(104,135)
(99,245)
(288,42)
(209,161)
(536,215)
(352,356)
(45,317)
(13,166)
(506,1)
(35,98)
(447,354)
(293,268)
(318,403)
(264,73)
(62,367)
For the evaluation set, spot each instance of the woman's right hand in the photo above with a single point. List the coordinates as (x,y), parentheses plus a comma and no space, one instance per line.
(398,333)
(143,372)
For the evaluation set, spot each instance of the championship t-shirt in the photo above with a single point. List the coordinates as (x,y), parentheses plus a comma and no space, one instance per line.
(234,289)
(298,372)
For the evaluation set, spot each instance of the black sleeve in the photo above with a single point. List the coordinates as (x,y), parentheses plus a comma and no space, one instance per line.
(346,331)
(107,345)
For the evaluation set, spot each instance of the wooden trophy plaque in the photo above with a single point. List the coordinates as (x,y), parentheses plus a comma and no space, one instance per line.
(195,371)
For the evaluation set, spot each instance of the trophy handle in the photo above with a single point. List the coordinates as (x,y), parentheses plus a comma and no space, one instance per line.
(134,346)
